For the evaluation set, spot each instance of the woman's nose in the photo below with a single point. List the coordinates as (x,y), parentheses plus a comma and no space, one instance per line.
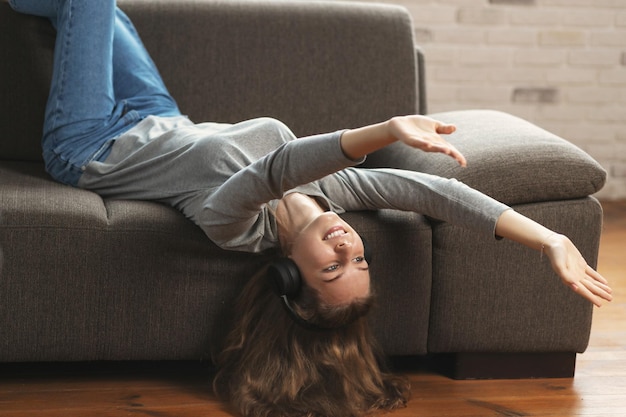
(343,244)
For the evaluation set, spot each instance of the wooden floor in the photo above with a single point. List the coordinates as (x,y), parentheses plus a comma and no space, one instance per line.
(598,389)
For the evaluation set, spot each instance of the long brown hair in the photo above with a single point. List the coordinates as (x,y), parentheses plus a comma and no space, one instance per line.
(271,366)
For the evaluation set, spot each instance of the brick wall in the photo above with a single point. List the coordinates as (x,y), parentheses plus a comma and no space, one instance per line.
(558,63)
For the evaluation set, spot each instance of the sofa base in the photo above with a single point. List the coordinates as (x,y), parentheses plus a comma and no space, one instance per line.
(506,365)
(464,366)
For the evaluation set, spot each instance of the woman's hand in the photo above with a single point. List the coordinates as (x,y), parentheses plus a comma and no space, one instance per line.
(569,264)
(419,132)
(565,258)
(424,133)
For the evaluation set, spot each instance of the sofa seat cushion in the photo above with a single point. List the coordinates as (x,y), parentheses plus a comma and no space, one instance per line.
(122,279)
(508,158)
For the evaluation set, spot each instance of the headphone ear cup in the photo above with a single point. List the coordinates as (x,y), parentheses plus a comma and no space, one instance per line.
(285,277)
(367,251)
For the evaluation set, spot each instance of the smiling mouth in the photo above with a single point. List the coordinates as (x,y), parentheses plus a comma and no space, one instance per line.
(335,232)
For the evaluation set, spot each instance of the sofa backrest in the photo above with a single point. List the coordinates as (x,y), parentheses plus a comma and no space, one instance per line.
(26,48)
(317,66)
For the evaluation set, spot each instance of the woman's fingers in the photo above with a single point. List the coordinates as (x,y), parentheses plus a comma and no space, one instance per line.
(592,286)
(445,129)
(574,271)
(592,292)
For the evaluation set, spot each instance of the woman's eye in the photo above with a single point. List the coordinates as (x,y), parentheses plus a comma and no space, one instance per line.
(335,267)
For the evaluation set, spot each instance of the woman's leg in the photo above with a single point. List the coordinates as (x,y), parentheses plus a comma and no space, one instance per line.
(81,105)
(81,93)
(136,79)
(95,43)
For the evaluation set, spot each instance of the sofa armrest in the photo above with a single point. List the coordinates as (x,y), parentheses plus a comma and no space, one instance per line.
(422,101)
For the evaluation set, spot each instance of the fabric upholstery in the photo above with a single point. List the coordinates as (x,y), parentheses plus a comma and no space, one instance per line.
(478,279)
(90,279)
(135,280)
(352,55)
(123,280)
(508,158)
(26,48)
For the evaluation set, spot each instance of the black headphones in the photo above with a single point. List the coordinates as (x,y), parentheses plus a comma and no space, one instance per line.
(286,281)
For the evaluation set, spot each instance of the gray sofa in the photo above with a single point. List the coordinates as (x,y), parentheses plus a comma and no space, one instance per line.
(87,279)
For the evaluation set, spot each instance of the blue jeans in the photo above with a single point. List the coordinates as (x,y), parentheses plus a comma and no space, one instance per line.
(103,83)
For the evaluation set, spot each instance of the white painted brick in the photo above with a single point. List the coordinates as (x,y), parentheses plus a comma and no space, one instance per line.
(523,110)
(432,15)
(610,113)
(427,3)
(459,75)
(464,2)
(539,57)
(618,170)
(516,75)
(457,35)
(513,2)
(485,57)
(539,95)
(441,94)
(615,76)
(483,94)
(571,76)
(588,18)
(584,3)
(594,57)
(581,134)
(512,37)
(562,38)
(565,112)
(423,36)
(614,38)
(440,107)
(481,16)
(593,95)
(437,55)
(576,47)
(534,17)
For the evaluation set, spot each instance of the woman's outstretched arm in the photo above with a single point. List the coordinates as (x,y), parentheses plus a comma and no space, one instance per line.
(565,258)
(424,133)
(417,131)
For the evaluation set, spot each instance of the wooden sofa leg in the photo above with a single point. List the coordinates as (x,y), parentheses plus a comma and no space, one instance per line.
(505,365)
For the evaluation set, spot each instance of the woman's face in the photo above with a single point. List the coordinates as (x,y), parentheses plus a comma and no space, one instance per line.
(330,256)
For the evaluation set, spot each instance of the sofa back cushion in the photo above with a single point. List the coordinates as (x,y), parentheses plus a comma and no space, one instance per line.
(26,48)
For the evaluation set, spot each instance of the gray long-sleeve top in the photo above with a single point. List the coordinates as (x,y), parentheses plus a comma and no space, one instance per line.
(228,179)
(236,215)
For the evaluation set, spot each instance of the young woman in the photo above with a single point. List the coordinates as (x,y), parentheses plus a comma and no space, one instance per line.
(112,127)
